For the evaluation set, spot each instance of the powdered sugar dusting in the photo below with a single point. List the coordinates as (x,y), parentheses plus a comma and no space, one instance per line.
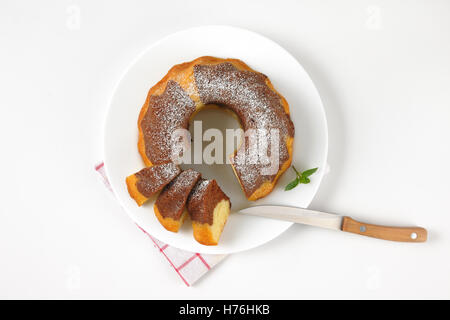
(247,94)
(165,171)
(200,189)
(153,179)
(184,182)
(172,199)
(166,113)
(258,107)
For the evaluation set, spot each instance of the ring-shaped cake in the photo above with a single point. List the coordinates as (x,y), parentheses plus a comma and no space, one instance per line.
(230,83)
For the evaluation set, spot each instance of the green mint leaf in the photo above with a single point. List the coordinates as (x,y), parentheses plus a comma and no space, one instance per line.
(309,172)
(304,180)
(291,185)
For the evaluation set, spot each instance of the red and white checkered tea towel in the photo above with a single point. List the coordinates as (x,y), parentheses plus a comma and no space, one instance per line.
(189,266)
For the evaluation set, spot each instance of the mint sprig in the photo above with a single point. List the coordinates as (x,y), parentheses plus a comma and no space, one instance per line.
(301,177)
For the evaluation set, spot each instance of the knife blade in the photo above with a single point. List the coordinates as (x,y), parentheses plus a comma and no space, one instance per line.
(337,222)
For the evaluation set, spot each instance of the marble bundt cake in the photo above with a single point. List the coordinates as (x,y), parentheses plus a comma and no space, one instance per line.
(229,83)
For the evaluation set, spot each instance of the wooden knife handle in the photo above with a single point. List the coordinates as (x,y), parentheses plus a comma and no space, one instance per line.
(412,234)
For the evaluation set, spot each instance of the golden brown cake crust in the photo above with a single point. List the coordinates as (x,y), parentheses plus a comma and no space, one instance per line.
(134,192)
(168,223)
(182,81)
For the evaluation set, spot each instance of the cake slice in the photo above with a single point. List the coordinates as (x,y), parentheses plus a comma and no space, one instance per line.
(208,208)
(170,206)
(145,183)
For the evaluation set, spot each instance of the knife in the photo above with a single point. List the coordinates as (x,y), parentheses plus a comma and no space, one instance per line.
(337,222)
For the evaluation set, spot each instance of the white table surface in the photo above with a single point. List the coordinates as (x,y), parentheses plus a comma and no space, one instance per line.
(383,71)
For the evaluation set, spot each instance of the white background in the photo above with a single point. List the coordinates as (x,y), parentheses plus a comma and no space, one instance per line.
(383,71)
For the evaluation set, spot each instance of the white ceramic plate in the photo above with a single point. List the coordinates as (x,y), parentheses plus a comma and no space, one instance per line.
(289,78)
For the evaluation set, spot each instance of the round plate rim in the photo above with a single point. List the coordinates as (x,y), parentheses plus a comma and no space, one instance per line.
(212,249)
